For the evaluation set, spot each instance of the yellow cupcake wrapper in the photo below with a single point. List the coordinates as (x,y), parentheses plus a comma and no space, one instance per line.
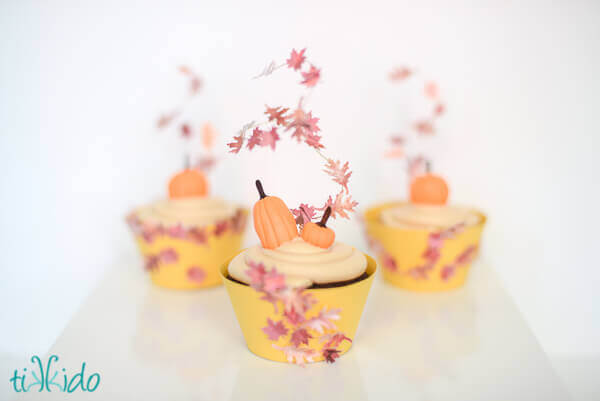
(297,325)
(423,260)
(188,258)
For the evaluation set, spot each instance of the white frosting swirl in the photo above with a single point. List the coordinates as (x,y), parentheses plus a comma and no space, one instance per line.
(302,263)
(409,216)
(189,212)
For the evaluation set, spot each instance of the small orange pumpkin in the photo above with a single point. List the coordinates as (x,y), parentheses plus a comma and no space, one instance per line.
(188,183)
(319,234)
(429,189)
(273,221)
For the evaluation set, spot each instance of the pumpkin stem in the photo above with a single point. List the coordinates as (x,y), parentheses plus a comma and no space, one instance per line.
(428,166)
(186,162)
(325,217)
(261,191)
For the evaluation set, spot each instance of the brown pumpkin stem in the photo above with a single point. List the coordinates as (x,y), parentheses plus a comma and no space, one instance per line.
(261,191)
(186,162)
(428,166)
(325,217)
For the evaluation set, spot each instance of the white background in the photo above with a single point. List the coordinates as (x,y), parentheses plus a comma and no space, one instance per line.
(82,83)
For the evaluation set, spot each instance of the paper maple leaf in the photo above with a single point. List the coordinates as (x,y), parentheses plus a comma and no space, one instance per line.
(311,77)
(186,131)
(400,73)
(236,145)
(274,330)
(439,109)
(323,320)
(304,213)
(431,90)
(300,336)
(296,59)
(333,340)
(424,127)
(256,272)
(195,80)
(277,114)
(255,139)
(338,172)
(196,274)
(330,354)
(273,281)
(298,301)
(293,317)
(269,138)
(340,205)
(165,119)
(297,355)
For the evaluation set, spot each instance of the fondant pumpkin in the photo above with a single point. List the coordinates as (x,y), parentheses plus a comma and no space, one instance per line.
(188,183)
(273,221)
(429,189)
(319,234)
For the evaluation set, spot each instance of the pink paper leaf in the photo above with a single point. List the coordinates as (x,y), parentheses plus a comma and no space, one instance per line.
(324,320)
(277,114)
(297,355)
(338,172)
(269,138)
(296,59)
(400,74)
(311,77)
(274,330)
(300,336)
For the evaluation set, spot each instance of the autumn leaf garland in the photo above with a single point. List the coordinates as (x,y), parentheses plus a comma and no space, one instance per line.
(416,164)
(186,129)
(304,128)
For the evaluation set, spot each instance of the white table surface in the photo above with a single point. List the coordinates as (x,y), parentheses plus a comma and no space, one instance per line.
(150,343)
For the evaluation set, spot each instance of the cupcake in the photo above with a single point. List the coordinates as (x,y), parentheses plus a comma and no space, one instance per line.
(298,298)
(299,295)
(187,236)
(423,244)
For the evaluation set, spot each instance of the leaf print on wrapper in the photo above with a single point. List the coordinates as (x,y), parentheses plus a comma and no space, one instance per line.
(295,327)
(196,274)
(198,235)
(165,256)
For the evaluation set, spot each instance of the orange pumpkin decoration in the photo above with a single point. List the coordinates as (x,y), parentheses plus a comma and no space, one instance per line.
(429,189)
(317,233)
(188,183)
(273,221)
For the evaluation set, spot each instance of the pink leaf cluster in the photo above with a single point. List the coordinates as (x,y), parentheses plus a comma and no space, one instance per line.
(432,252)
(464,258)
(294,326)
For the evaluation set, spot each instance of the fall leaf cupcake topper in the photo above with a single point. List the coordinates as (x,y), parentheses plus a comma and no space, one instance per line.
(425,187)
(191,181)
(303,127)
